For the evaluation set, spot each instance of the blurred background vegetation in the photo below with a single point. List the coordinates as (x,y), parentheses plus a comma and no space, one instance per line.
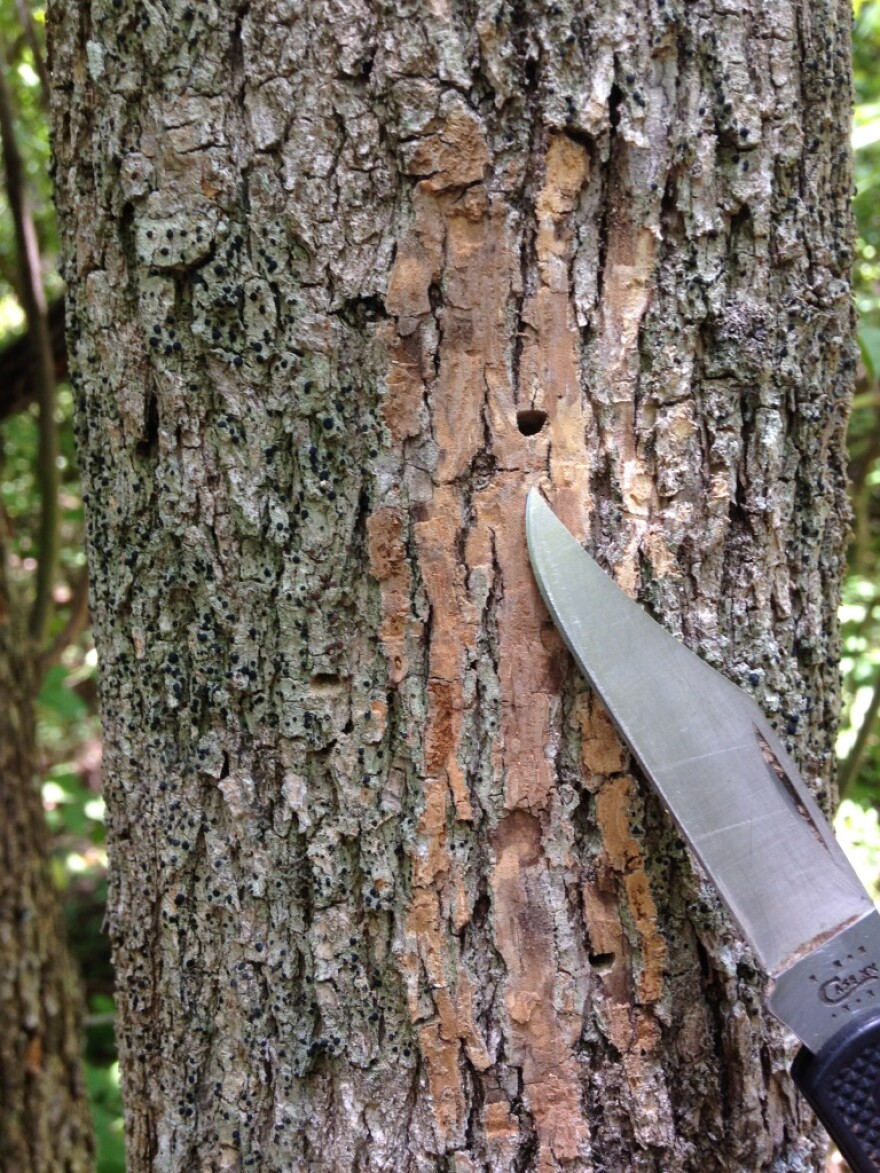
(858,745)
(68,724)
(68,729)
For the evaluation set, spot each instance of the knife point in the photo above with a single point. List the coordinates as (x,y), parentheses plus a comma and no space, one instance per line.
(534,500)
(536,512)
(539,513)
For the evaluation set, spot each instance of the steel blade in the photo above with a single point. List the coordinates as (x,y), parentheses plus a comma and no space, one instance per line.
(735,794)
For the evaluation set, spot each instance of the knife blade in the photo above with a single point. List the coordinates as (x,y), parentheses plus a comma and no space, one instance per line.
(741,805)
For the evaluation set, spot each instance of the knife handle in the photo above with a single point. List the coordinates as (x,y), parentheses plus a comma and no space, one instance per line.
(842,1085)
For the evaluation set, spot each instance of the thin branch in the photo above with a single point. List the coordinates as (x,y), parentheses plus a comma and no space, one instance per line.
(33,40)
(861,492)
(866,399)
(33,299)
(108,1018)
(849,768)
(76,621)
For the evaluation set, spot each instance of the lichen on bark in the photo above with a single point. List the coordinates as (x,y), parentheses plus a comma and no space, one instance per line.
(345,281)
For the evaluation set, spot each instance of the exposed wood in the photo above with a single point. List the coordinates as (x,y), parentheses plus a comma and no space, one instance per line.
(346,280)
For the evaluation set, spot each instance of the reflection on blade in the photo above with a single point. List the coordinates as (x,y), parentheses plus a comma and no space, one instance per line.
(709,751)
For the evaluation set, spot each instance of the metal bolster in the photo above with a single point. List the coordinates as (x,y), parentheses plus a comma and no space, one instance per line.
(817,995)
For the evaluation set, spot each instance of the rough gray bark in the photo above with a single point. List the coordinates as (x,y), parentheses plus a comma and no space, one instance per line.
(45,1126)
(345,280)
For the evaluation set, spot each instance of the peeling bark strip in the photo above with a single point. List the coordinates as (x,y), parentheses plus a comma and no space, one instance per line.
(344,283)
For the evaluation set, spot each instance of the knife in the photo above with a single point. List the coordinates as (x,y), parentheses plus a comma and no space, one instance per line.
(744,810)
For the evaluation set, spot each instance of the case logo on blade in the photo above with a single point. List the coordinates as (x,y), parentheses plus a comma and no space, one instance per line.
(842,986)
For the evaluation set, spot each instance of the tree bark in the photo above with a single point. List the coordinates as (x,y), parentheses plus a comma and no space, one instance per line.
(344,281)
(45,1126)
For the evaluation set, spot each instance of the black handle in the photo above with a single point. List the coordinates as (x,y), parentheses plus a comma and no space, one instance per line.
(842,1085)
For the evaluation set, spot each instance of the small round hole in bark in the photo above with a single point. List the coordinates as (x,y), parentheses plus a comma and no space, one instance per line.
(601,962)
(530,422)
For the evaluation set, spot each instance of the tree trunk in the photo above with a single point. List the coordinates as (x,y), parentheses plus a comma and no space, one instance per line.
(345,280)
(45,1125)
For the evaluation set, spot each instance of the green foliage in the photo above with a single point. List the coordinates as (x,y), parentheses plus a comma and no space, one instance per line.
(869,345)
(103,1084)
(32,134)
(59,698)
(859,746)
(866,138)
